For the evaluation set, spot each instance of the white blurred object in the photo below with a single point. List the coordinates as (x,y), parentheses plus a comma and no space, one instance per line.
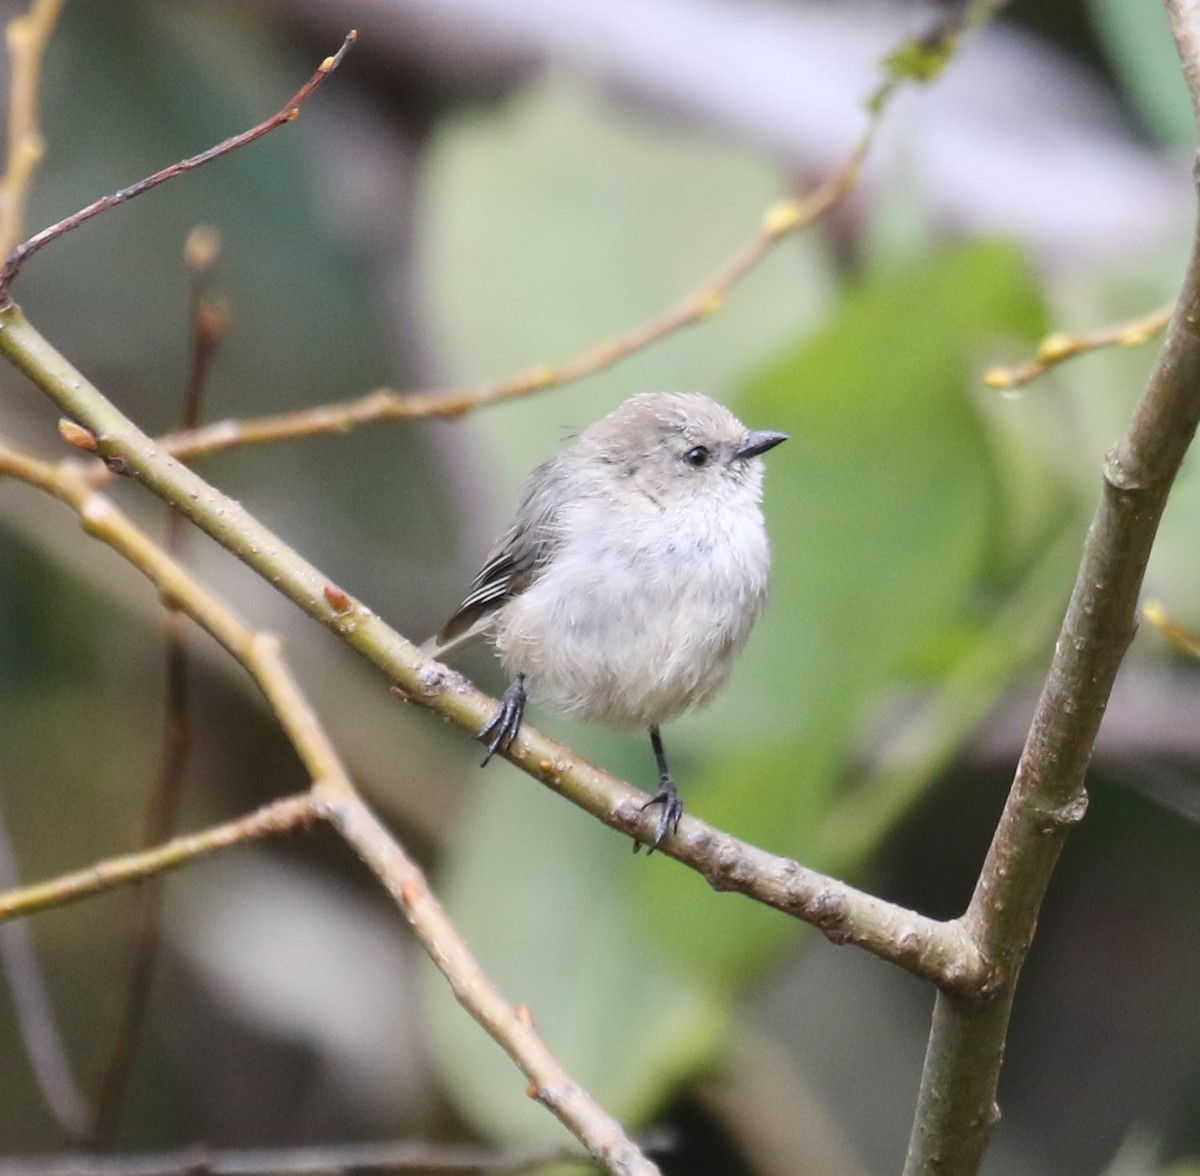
(1014,138)
(309,960)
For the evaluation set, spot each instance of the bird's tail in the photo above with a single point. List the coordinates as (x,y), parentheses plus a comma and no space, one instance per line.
(442,650)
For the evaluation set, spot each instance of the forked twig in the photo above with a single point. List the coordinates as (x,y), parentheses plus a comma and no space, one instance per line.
(782,219)
(1064,345)
(23,252)
(956,1109)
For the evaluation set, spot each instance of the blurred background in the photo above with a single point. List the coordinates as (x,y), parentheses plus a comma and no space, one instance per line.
(485,187)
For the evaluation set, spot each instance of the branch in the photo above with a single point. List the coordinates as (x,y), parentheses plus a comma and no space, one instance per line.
(300,1161)
(272,820)
(23,252)
(1061,346)
(332,797)
(27,35)
(936,951)
(956,1109)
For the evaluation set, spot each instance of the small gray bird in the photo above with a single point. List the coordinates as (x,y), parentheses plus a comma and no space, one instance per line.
(631,577)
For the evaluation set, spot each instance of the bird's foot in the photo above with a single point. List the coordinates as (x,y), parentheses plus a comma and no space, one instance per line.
(503,726)
(668,820)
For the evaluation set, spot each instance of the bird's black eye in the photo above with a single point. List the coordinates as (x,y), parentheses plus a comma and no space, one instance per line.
(697,457)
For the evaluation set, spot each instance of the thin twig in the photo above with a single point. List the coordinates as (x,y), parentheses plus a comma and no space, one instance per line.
(383,404)
(1178,635)
(333,797)
(937,951)
(957,1104)
(302,1161)
(1061,346)
(209,322)
(272,820)
(27,35)
(23,252)
(512,1028)
(36,1021)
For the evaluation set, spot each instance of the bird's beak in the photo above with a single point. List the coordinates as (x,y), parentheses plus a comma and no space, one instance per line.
(759,441)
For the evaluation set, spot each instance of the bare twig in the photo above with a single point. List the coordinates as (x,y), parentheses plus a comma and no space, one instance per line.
(936,951)
(510,1027)
(209,321)
(272,820)
(302,1161)
(383,404)
(1061,346)
(781,220)
(28,35)
(957,1109)
(36,1021)
(333,797)
(23,252)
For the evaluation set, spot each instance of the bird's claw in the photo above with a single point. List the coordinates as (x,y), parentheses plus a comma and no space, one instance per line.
(504,725)
(668,820)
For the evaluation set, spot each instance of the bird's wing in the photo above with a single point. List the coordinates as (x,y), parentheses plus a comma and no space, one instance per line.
(509,569)
(511,566)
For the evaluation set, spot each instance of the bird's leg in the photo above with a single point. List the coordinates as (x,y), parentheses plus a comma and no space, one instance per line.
(503,726)
(667,796)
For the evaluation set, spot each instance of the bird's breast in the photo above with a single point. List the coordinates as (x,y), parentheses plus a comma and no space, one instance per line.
(631,623)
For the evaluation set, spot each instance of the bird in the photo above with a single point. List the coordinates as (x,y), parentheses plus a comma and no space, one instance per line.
(632,574)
